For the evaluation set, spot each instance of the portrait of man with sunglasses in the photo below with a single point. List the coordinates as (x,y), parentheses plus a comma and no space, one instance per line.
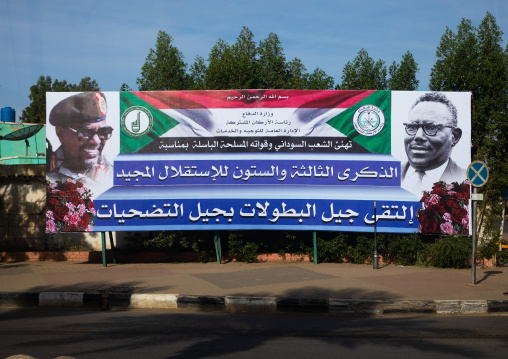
(81,128)
(431,133)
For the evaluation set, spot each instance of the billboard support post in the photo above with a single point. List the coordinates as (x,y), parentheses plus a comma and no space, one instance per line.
(315,248)
(112,246)
(103,239)
(218,251)
(376,256)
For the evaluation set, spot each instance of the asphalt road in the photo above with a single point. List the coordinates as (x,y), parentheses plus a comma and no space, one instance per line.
(48,333)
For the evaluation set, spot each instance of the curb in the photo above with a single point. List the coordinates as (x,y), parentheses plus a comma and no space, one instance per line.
(234,304)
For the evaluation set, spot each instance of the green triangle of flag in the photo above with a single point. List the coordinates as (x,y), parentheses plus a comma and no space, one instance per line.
(374,143)
(160,124)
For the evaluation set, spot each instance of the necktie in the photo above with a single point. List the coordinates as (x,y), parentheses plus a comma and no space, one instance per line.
(419,183)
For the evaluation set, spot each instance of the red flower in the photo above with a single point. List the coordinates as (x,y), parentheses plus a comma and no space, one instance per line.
(74,198)
(459,214)
(53,201)
(70,187)
(85,219)
(60,212)
(428,227)
(439,209)
(450,203)
(440,191)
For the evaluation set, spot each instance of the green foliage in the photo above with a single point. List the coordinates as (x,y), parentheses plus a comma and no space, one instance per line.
(219,66)
(363,73)
(244,65)
(198,74)
(125,87)
(319,80)
(297,75)
(239,248)
(451,252)
(272,63)
(502,257)
(164,68)
(36,111)
(488,249)
(68,245)
(401,249)
(162,240)
(361,251)
(473,59)
(403,75)
(332,249)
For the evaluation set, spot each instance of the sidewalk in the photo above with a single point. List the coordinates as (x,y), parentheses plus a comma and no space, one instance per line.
(347,288)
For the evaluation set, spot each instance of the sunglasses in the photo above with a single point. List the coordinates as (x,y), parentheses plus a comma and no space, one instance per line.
(430,129)
(85,134)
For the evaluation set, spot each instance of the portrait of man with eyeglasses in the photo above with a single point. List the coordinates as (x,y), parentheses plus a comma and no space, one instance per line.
(431,133)
(80,125)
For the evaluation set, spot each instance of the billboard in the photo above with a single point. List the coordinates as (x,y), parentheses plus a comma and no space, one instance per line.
(258,159)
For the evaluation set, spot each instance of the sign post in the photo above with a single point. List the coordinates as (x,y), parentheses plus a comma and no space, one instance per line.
(477,174)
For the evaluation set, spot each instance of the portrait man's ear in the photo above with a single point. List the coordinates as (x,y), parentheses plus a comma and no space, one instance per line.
(457,134)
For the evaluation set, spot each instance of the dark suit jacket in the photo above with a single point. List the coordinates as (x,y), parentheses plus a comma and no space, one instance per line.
(452,172)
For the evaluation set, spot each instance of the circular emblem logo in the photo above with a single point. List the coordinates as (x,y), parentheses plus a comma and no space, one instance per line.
(368,120)
(137,121)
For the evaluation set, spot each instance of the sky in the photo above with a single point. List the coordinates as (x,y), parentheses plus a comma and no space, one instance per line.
(110,40)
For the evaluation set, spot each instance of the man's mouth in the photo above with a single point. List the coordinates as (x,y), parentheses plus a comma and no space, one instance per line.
(419,149)
(91,152)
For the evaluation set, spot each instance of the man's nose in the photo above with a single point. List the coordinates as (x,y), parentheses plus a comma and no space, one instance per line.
(95,139)
(420,134)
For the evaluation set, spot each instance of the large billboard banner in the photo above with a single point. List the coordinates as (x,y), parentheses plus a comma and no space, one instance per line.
(258,159)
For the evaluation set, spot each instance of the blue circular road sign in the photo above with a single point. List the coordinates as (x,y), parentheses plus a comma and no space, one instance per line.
(478,173)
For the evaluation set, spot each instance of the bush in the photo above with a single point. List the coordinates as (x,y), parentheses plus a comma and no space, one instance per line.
(402,249)
(241,249)
(332,249)
(451,252)
(502,258)
(361,249)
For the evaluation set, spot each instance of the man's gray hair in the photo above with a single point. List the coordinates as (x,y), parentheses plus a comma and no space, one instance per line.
(440,98)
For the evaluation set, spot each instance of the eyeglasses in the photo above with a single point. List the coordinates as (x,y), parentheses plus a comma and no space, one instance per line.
(430,129)
(85,134)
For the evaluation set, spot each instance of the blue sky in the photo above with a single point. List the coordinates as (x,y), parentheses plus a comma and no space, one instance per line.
(109,40)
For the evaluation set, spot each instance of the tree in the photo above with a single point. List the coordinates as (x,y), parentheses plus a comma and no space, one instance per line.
(272,63)
(164,68)
(87,84)
(219,66)
(319,80)
(297,75)
(36,111)
(198,74)
(125,87)
(473,59)
(245,65)
(403,75)
(363,73)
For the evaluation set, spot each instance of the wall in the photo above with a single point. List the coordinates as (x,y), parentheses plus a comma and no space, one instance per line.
(22,216)
(22,204)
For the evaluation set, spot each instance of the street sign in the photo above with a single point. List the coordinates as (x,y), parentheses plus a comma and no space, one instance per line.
(477,173)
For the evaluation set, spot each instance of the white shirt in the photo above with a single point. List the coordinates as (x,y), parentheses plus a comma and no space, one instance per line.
(411,181)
